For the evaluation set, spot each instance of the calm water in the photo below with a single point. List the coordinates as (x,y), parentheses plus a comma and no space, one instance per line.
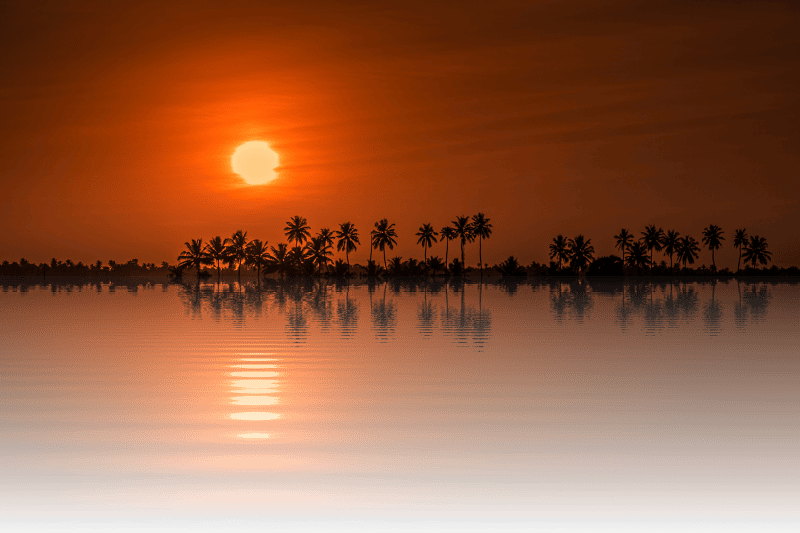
(314,405)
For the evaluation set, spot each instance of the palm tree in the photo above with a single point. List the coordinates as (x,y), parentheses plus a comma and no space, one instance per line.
(712,238)
(194,256)
(559,250)
(297,230)
(482,229)
(347,240)
(279,258)
(463,230)
(296,257)
(581,252)
(756,251)
(217,250)
(319,251)
(237,250)
(739,241)
(652,238)
(435,263)
(327,237)
(670,243)
(427,236)
(637,256)
(383,236)
(511,267)
(448,234)
(257,255)
(396,266)
(687,250)
(624,239)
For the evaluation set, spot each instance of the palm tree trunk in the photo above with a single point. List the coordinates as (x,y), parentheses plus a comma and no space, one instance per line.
(480,257)
(446,250)
(739,263)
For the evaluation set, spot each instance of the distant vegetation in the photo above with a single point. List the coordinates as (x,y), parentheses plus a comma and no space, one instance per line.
(307,255)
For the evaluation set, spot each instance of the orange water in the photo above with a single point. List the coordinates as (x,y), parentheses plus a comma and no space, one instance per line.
(418,405)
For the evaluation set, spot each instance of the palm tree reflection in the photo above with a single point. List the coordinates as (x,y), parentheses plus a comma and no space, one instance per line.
(754,299)
(321,305)
(570,299)
(712,314)
(466,323)
(384,316)
(347,314)
(426,314)
(296,320)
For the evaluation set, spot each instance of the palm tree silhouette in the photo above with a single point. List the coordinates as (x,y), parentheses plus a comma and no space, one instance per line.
(463,230)
(511,267)
(756,251)
(624,239)
(237,250)
(297,230)
(217,250)
(347,240)
(319,251)
(296,257)
(482,229)
(384,235)
(427,236)
(637,256)
(372,243)
(327,237)
(279,259)
(435,263)
(712,238)
(396,266)
(448,234)
(687,250)
(670,242)
(257,255)
(559,250)
(652,238)
(194,256)
(739,241)
(581,252)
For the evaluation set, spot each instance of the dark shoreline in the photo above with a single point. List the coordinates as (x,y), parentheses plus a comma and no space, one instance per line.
(29,281)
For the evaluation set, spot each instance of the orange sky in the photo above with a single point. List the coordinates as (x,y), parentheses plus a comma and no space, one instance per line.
(550,117)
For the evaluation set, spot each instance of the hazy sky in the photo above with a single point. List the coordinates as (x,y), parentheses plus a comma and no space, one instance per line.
(118,122)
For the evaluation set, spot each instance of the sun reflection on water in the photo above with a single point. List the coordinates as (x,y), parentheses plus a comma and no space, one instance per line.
(253,435)
(258,388)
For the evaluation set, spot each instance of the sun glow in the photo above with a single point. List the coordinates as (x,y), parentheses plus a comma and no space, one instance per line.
(255,161)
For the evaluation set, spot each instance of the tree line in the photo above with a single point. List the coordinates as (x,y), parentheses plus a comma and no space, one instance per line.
(305,254)
(578,253)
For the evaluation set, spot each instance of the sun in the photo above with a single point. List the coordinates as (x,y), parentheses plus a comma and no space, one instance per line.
(255,161)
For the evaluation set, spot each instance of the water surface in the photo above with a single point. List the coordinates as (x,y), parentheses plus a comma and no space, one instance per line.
(415,405)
